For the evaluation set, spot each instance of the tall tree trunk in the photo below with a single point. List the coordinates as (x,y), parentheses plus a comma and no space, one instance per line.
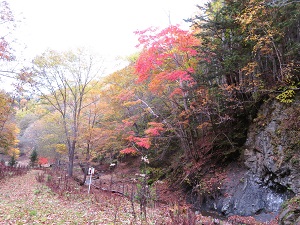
(87,158)
(71,158)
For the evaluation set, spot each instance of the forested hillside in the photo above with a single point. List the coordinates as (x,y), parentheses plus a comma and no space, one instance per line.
(187,104)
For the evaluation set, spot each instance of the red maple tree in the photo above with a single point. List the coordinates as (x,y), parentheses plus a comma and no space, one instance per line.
(167,56)
(42,161)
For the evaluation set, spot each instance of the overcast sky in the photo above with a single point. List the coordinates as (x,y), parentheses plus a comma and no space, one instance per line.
(105,26)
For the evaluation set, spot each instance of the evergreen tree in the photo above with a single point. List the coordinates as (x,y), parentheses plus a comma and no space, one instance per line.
(33,157)
(13,161)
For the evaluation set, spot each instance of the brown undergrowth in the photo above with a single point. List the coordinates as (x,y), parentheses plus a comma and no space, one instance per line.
(9,171)
(138,205)
(48,197)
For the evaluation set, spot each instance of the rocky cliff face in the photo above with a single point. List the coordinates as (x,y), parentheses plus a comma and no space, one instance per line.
(272,150)
(269,172)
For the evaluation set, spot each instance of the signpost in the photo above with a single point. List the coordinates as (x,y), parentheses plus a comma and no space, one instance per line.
(90,172)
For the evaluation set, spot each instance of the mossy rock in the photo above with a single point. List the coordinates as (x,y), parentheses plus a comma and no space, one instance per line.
(290,214)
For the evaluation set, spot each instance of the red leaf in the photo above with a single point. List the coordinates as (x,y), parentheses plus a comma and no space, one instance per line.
(42,161)
(129,151)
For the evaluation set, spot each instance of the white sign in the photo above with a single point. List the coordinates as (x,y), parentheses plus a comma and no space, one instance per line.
(91,171)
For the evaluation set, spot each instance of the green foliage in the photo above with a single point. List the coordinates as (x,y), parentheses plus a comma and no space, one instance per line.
(33,157)
(247,51)
(33,212)
(154,174)
(286,96)
(12,161)
(288,93)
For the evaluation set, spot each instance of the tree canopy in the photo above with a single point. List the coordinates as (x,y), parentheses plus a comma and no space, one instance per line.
(189,92)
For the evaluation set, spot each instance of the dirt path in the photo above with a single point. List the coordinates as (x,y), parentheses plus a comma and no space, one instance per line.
(25,201)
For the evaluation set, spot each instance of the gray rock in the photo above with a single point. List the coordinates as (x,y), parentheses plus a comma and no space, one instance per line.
(226,205)
(269,146)
(272,168)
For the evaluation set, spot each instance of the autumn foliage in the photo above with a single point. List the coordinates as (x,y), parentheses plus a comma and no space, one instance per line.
(167,56)
(189,94)
(129,151)
(155,129)
(6,18)
(42,161)
(8,128)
